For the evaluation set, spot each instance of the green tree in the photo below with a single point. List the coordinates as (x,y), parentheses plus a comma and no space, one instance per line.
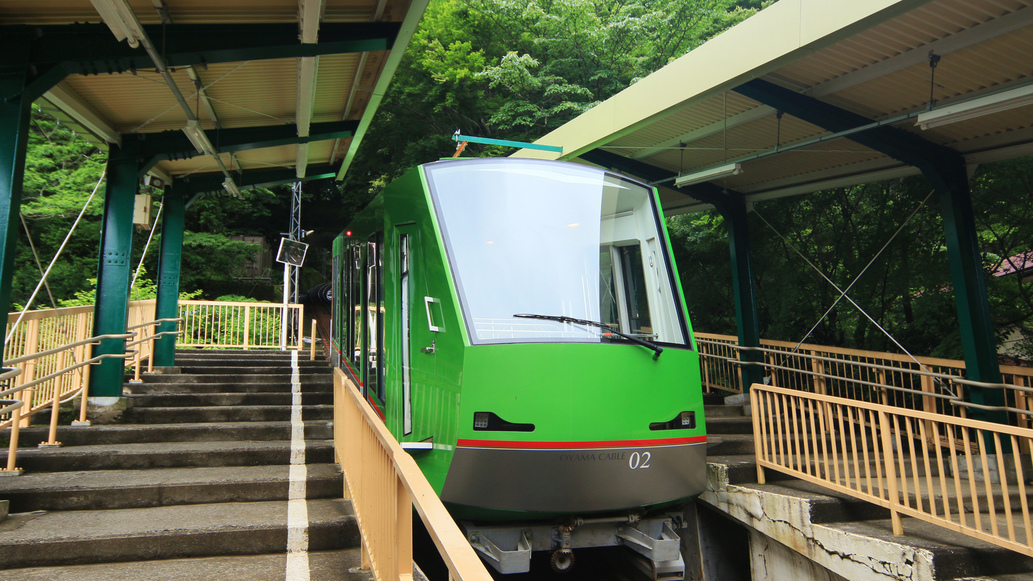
(517,69)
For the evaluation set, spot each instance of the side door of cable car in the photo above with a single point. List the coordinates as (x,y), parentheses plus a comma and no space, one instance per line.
(417,340)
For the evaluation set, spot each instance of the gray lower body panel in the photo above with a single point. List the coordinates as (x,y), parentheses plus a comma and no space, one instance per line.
(574,480)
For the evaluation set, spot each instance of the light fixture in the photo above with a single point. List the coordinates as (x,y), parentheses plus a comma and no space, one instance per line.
(978,107)
(712,173)
(119,17)
(197,138)
(231,187)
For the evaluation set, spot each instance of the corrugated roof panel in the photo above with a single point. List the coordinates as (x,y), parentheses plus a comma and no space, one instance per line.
(256,93)
(880,72)
(133,103)
(242,94)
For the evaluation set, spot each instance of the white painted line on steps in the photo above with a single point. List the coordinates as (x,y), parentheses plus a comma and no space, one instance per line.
(297,505)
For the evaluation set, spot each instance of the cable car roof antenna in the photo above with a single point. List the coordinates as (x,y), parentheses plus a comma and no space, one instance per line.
(463,140)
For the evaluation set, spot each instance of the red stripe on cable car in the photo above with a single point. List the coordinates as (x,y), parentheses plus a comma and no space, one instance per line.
(565,445)
(354,374)
(375,408)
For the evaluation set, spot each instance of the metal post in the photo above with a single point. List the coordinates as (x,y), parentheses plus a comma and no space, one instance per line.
(114,272)
(733,209)
(169,263)
(977,333)
(283,313)
(290,272)
(15,113)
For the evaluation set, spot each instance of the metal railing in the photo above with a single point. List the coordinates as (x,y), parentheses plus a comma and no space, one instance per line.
(385,484)
(933,467)
(922,383)
(61,384)
(51,352)
(238,325)
(143,344)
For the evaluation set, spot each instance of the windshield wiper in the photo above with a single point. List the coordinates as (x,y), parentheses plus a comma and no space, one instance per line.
(657,350)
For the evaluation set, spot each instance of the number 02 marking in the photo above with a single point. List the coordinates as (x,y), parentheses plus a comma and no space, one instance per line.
(639,460)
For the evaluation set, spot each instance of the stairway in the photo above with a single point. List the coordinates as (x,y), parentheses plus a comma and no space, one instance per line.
(193,481)
(845,537)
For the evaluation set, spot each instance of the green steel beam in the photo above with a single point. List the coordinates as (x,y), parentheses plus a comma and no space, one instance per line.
(977,332)
(945,169)
(90,49)
(15,112)
(733,208)
(154,147)
(212,181)
(169,263)
(114,270)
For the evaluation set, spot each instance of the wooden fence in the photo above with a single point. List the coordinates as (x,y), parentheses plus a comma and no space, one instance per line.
(961,474)
(922,383)
(385,484)
(232,325)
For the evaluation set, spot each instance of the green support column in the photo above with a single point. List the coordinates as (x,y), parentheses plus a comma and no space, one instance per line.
(15,112)
(114,271)
(977,331)
(173,211)
(733,209)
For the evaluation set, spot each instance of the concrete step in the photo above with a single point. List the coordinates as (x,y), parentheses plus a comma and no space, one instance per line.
(254,352)
(235,378)
(951,554)
(734,469)
(219,368)
(312,385)
(729,425)
(243,357)
(714,398)
(303,357)
(854,539)
(168,532)
(323,566)
(730,444)
(824,505)
(239,413)
(714,411)
(228,399)
(168,455)
(116,489)
(101,434)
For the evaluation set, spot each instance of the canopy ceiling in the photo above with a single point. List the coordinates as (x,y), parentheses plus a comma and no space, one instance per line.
(281,88)
(814,94)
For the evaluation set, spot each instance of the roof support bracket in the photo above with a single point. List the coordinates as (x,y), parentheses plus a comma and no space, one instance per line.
(945,170)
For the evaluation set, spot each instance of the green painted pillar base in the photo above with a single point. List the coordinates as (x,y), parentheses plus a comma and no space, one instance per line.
(114,270)
(733,209)
(15,113)
(977,333)
(169,261)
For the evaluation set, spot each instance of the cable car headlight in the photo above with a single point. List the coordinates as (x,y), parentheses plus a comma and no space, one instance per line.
(489,422)
(683,421)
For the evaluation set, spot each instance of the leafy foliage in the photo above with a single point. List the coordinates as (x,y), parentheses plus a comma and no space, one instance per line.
(907,290)
(516,69)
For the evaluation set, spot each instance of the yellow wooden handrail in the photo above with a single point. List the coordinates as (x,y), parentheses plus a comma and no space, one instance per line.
(865,375)
(957,473)
(385,484)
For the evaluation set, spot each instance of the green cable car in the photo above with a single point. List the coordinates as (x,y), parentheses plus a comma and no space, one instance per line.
(518,324)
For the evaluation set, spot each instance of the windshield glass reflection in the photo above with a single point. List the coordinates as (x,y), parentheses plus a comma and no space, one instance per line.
(553,238)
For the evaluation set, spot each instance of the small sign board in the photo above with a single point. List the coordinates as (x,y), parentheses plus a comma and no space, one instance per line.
(291,252)
(142,210)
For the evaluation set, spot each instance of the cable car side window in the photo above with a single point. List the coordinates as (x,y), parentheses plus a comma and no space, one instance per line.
(355,315)
(544,238)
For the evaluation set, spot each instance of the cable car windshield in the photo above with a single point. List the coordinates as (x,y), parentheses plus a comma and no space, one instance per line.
(553,238)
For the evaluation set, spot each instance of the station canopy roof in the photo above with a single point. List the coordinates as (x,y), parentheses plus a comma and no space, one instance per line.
(279,88)
(816,94)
